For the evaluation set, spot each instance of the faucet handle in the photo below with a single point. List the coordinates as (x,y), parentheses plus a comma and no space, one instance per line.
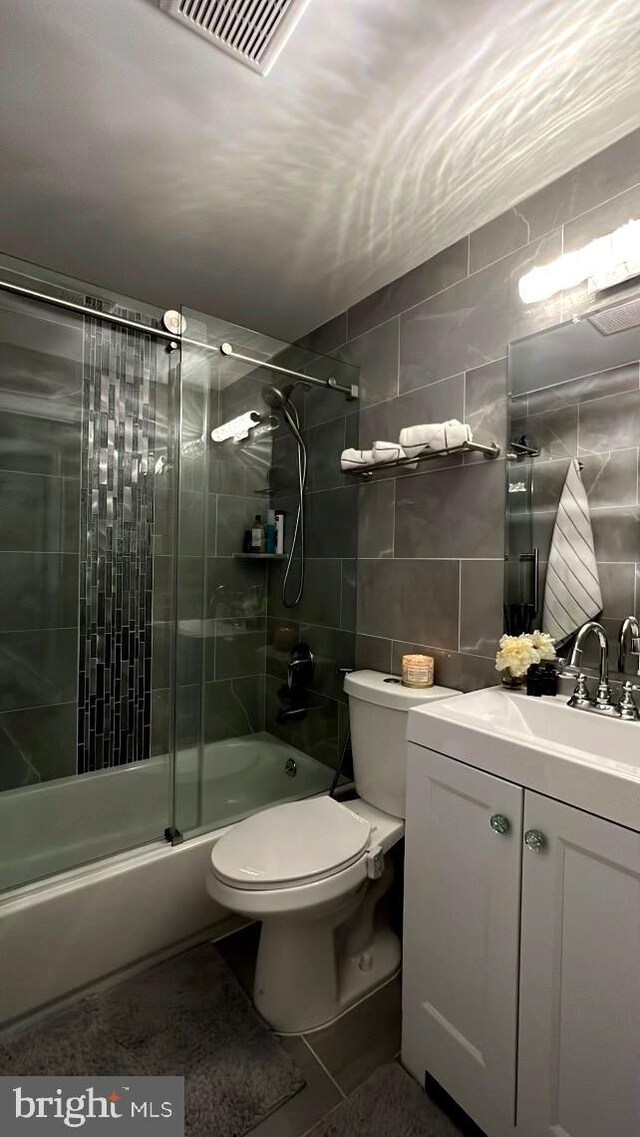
(603,696)
(627,706)
(581,697)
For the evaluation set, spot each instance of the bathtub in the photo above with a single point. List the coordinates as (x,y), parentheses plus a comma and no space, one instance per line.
(91,912)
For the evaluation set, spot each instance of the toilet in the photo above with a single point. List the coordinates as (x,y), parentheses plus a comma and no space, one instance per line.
(314,871)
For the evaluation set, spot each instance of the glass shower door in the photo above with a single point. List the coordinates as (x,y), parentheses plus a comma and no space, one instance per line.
(85,474)
(240,744)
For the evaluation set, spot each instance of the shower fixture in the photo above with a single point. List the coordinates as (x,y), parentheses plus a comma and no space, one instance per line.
(278,399)
(236,428)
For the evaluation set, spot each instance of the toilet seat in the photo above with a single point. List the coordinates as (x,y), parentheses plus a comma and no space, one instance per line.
(291,845)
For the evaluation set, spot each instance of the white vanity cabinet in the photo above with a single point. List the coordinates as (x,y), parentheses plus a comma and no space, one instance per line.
(522,954)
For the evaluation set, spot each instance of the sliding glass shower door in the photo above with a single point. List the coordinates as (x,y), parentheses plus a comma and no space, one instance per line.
(87,566)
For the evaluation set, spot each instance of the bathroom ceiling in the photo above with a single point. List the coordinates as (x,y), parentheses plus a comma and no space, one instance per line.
(137,156)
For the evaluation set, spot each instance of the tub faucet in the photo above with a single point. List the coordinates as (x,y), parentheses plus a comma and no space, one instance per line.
(580,697)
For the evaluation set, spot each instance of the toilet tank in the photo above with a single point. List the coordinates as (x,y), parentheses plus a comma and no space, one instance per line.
(378,709)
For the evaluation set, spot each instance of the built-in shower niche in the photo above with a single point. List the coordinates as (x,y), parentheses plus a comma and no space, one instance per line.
(574,395)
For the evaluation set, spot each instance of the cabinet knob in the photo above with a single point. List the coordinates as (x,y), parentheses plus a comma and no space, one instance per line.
(535,840)
(500,824)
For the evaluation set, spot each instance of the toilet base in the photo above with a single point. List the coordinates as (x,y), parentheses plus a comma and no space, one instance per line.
(387,954)
(310,971)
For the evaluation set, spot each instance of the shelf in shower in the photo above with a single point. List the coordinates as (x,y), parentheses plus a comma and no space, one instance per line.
(366,472)
(259,556)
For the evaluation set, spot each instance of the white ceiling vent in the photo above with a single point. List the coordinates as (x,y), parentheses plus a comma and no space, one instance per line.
(253,31)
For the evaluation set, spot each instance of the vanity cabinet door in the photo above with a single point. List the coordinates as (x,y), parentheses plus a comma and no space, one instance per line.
(579,1055)
(462,903)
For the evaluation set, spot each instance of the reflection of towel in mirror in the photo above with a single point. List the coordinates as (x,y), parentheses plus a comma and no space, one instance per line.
(572,590)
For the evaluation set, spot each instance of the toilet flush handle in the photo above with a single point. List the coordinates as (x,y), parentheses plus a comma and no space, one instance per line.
(375,862)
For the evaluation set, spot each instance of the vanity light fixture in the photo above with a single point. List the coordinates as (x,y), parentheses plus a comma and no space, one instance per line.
(237,428)
(602,263)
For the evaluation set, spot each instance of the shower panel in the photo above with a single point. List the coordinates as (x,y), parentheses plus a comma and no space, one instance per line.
(116,555)
(139,645)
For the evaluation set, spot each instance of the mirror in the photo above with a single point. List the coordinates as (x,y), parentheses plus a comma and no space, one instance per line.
(573,534)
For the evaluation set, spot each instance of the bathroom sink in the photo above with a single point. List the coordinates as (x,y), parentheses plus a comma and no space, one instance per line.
(587,760)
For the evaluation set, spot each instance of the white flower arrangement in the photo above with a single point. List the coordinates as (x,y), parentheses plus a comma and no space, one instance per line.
(518,653)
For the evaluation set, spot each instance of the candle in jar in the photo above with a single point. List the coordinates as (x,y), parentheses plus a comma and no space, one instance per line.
(417,671)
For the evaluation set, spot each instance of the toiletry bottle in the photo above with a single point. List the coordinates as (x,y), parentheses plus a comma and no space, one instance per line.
(257,535)
(271,535)
(279,532)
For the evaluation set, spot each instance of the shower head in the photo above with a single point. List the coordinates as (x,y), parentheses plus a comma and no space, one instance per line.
(276,398)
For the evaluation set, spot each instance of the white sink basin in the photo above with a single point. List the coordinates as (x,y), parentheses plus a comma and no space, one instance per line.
(585,759)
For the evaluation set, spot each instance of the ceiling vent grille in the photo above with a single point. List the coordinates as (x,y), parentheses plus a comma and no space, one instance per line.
(252,31)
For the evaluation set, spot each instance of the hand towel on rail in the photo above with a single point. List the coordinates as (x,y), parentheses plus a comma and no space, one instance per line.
(434,436)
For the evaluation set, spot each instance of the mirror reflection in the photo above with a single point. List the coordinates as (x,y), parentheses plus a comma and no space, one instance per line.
(573,538)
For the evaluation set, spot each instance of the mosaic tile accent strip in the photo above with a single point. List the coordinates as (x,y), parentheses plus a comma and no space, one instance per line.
(116,561)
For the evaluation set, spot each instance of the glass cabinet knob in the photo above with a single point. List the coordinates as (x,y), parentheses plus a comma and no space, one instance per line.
(500,824)
(535,840)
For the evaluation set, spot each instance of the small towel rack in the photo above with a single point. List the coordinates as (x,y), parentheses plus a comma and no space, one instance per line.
(367,472)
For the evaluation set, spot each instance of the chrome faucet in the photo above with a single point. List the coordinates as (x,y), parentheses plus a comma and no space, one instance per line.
(580,697)
(630,625)
(628,709)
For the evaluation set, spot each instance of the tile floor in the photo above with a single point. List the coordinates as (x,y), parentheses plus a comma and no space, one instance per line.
(334,1060)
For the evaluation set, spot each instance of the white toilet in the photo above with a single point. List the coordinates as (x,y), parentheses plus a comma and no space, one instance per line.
(314,871)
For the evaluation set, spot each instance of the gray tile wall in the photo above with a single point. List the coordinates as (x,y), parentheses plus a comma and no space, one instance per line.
(40,412)
(325,617)
(433,345)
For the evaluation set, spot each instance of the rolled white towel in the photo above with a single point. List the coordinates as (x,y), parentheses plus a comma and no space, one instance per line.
(434,436)
(389,452)
(351,459)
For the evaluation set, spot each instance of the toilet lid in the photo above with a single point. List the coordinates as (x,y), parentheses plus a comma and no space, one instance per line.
(290,844)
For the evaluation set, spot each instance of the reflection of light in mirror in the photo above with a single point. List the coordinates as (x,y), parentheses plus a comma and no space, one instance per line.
(608,260)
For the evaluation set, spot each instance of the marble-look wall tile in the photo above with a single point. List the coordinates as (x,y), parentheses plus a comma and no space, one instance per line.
(376,354)
(325,444)
(452,513)
(459,670)
(604,176)
(616,533)
(485,405)
(332,649)
(348,594)
(39,590)
(240,648)
(38,668)
(326,337)
(612,423)
(400,597)
(481,606)
(432,276)
(331,521)
(317,735)
(613,381)
(472,323)
(436,403)
(603,219)
(320,602)
(39,514)
(373,653)
(233,707)
(376,518)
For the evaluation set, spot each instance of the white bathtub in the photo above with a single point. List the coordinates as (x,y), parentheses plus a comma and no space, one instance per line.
(69,930)
(60,824)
